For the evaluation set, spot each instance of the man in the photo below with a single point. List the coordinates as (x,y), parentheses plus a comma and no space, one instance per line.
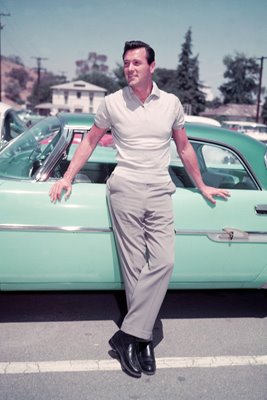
(143,119)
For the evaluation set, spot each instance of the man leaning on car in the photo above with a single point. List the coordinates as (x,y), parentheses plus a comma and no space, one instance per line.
(143,119)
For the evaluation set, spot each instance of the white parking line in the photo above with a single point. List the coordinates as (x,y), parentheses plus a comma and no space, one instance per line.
(113,365)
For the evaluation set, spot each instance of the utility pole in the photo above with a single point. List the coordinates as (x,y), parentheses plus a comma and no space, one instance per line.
(39,69)
(1,27)
(259,90)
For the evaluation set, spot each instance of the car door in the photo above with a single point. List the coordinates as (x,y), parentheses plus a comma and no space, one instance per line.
(222,245)
(66,245)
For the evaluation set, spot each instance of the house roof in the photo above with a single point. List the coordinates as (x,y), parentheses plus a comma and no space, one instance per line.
(231,110)
(79,85)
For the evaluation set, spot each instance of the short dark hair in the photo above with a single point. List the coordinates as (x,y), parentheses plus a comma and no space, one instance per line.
(138,44)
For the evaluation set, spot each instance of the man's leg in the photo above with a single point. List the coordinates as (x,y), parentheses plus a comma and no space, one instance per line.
(154,277)
(127,216)
(127,221)
(143,225)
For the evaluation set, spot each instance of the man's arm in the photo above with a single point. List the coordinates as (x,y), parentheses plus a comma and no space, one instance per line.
(83,152)
(189,159)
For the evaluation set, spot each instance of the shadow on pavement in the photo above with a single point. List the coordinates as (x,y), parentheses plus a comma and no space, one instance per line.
(94,305)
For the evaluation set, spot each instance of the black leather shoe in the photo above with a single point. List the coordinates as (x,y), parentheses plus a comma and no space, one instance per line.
(146,357)
(126,347)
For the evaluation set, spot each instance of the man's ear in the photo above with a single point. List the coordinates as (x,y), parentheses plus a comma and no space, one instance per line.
(152,67)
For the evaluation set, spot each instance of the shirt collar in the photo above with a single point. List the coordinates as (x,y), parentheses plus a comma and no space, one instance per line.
(154,92)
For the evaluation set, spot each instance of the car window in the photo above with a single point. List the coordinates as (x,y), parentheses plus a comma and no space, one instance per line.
(29,150)
(219,166)
(223,169)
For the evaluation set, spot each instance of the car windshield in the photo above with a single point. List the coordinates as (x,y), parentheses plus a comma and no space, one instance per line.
(16,124)
(25,154)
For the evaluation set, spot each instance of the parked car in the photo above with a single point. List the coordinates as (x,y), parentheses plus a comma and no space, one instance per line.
(10,124)
(70,245)
(257,131)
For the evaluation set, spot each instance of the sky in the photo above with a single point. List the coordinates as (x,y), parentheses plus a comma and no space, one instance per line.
(63,31)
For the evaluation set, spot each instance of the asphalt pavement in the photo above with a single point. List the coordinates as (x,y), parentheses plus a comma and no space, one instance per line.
(209,345)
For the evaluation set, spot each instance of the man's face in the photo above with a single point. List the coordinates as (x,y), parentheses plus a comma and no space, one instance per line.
(137,71)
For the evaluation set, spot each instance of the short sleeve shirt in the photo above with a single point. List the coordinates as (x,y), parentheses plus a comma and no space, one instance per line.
(141,131)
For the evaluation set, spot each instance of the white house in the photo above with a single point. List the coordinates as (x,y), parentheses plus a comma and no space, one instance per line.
(76,96)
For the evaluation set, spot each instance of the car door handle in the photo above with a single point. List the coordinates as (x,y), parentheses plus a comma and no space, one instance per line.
(234,233)
(261,209)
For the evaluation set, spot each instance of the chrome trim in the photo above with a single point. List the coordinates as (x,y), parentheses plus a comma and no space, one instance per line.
(224,235)
(49,228)
(52,159)
(261,209)
(63,143)
(228,235)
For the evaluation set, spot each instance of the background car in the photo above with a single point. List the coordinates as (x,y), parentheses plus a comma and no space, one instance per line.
(252,129)
(70,245)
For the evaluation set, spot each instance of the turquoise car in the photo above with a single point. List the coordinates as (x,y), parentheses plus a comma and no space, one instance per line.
(70,245)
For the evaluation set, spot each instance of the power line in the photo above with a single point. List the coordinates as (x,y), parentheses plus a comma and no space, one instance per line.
(1,27)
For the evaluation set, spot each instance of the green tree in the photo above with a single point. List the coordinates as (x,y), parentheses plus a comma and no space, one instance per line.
(184,81)
(187,81)
(17,81)
(166,79)
(242,75)
(102,80)
(216,102)
(12,91)
(20,75)
(42,92)
(119,76)
(198,98)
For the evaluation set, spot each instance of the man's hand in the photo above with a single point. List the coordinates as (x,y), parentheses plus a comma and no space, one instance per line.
(210,192)
(57,189)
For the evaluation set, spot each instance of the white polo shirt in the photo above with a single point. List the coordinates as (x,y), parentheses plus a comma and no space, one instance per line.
(142,132)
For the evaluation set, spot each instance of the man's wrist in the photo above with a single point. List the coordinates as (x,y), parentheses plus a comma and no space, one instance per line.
(201,186)
(68,178)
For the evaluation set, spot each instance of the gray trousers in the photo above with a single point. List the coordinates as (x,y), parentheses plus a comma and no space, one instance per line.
(142,217)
